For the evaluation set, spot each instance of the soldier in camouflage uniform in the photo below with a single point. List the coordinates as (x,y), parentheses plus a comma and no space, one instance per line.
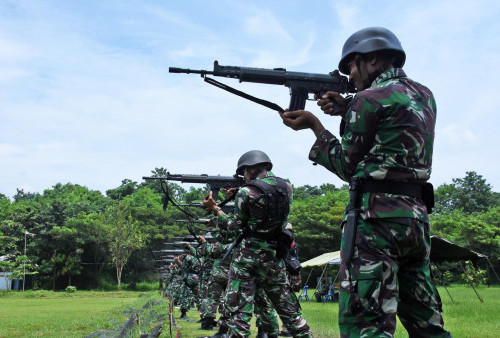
(267,321)
(261,219)
(387,140)
(189,269)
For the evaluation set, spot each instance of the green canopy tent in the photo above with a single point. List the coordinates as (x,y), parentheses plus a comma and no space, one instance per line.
(443,250)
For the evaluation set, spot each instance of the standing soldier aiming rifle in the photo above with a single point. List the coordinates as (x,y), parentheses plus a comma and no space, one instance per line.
(385,153)
(263,205)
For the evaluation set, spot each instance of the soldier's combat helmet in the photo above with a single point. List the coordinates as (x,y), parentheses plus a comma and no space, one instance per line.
(251,158)
(368,40)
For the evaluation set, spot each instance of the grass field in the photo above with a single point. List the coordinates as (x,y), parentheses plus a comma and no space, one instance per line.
(61,314)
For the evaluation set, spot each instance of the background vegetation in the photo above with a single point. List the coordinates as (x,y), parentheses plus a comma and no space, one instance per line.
(80,237)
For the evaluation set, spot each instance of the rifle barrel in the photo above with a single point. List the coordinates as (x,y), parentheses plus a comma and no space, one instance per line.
(189,71)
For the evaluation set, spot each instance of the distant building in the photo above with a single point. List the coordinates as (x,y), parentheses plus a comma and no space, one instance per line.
(6,283)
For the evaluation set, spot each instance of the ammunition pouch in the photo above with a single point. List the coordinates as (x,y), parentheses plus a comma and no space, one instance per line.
(292,262)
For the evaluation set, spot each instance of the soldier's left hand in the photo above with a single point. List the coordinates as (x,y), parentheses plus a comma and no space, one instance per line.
(301,119)
(209,202)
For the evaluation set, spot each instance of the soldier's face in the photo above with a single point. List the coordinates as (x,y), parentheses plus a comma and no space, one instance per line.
(354,76)
(246,174)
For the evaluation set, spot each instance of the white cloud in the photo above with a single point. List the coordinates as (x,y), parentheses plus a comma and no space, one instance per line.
(457,136)
(267,25)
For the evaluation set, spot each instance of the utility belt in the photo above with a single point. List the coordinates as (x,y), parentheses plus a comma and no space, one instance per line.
(265,236)
(423,191)
(358,186)
(279,241)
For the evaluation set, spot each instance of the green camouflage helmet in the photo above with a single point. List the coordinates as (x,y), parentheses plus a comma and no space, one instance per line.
(368,40)
(251,158)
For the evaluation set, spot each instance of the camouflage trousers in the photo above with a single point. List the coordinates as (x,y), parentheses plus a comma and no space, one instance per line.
(185,297)
(216,291)
(389,275)
(204,291)
(256,266)
(267,318)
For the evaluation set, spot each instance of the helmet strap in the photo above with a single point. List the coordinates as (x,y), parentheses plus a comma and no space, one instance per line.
(362,70)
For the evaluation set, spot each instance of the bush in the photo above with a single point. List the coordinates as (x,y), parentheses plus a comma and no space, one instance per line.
(145,286)
(70,289)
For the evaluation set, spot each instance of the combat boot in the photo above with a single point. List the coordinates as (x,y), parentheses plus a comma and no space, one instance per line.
(284,333)
(183,314)
(222,333)
(261,333)
(207,324)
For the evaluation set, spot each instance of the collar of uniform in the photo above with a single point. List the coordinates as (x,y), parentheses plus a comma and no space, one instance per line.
(264,174)
(389,74)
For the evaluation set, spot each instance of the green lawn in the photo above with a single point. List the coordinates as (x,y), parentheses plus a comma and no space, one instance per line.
(61,314)
(465,316)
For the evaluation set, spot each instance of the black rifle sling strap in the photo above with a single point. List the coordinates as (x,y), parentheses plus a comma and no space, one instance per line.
(265,103)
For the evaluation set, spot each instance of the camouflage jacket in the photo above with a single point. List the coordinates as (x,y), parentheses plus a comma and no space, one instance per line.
(389,135)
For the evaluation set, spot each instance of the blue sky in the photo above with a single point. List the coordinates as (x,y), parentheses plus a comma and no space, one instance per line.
(86,96)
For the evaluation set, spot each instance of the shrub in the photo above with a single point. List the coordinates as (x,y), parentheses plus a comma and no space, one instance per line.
(70,289)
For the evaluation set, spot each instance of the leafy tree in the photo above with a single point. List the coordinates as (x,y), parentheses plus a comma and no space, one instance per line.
(21,195)
(473,276)
(125,236)
(316,221)
(470,194)
(95,237)
(128,187)
(306,191)
(5,206)
(9,235)
(68,249)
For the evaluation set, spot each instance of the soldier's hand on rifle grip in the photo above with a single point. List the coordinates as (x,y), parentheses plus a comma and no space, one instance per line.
(202,239)
(332,103)
(229,192)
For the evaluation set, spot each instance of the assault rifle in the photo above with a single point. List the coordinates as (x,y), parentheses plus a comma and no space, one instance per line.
(300,84)
(214,182)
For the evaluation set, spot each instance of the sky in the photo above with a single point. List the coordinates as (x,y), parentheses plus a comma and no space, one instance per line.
(86,96)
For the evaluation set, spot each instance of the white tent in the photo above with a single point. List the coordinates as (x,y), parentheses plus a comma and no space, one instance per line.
(326,258)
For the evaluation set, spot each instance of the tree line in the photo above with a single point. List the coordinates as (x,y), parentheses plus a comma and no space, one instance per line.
(71,235)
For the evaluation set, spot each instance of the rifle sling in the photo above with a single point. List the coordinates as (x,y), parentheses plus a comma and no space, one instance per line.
(265,103)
